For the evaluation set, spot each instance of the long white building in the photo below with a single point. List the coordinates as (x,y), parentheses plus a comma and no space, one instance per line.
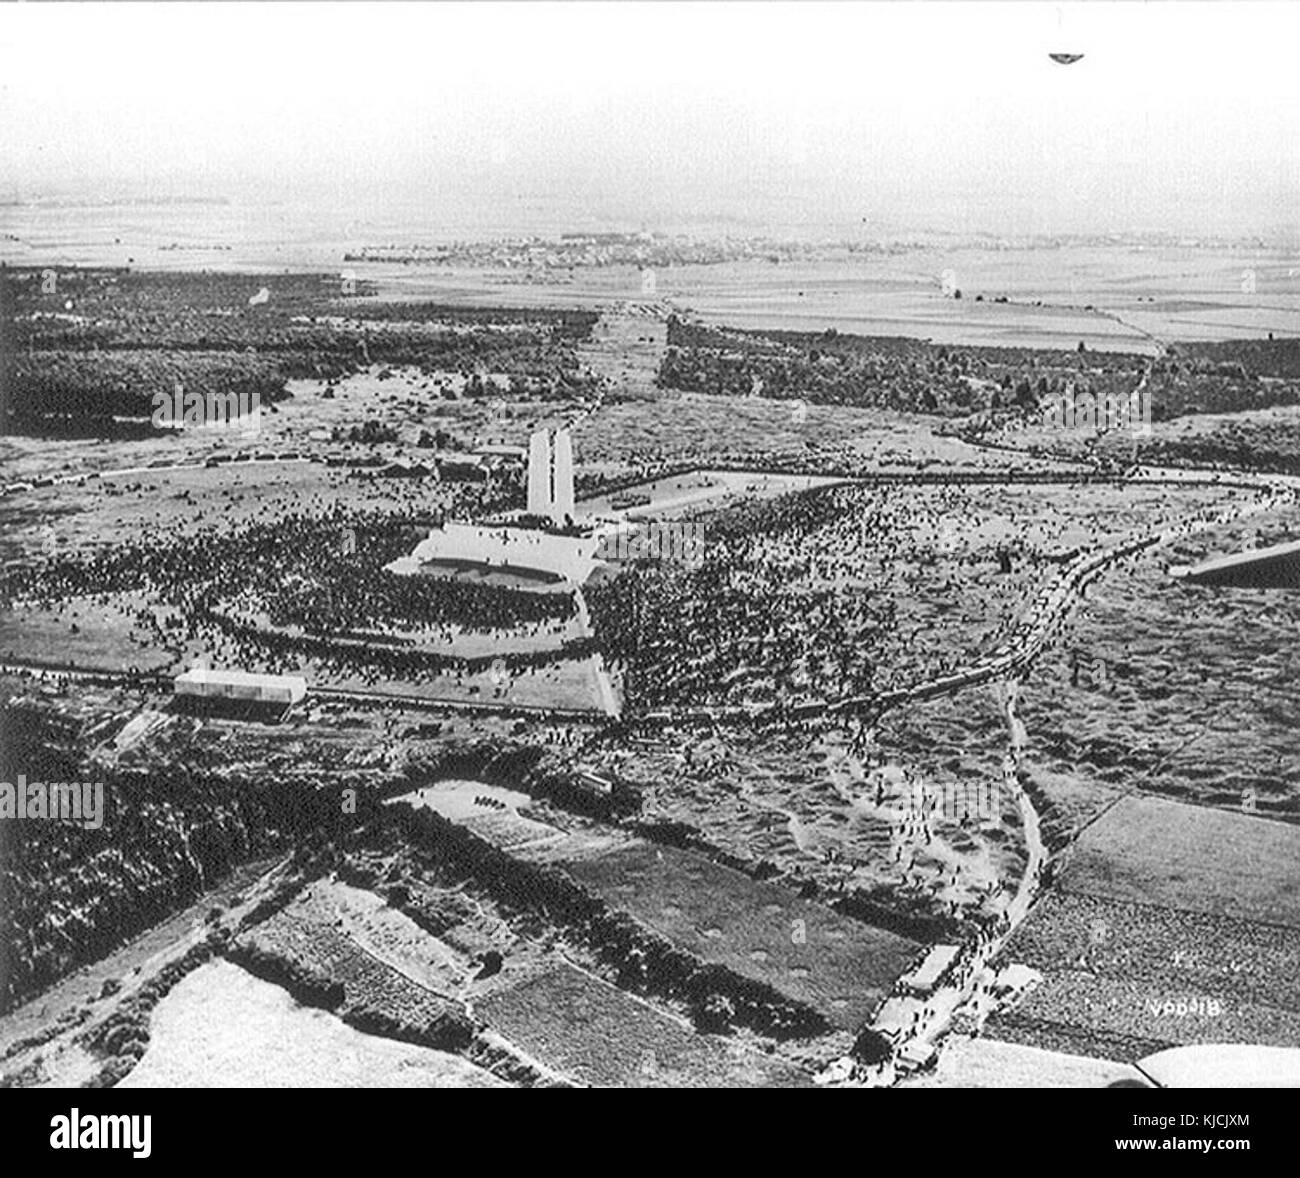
(246,685)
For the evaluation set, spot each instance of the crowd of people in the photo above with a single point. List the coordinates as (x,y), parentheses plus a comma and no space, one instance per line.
(845,592)
(266,594)
(805,597)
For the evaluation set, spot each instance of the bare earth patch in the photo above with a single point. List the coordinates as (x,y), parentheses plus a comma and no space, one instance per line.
(223,1028)
(986,1063)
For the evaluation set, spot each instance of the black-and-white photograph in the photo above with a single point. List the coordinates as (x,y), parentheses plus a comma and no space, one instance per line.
(622,545)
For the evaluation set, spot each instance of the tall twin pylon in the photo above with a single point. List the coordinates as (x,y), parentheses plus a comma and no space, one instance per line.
(550,485)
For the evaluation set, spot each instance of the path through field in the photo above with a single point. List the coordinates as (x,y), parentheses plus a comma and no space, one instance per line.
(970,984)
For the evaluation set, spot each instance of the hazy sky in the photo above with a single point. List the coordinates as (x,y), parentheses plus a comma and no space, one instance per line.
(1181,115)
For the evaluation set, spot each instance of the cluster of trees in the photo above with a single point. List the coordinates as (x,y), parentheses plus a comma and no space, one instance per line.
(1182,394)
(369,433)
(69,895)
(1272,446)
(94,344)
(913,375)
(878,371)
(568,324)
(1226,377)
(644,961)
(97,386)
(1250,357)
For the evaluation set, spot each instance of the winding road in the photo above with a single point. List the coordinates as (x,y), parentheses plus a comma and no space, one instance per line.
(968,988)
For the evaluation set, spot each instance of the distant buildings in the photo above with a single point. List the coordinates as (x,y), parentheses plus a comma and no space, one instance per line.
(482,465)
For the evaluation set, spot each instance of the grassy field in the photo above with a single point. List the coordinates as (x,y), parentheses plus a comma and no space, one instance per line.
(804,805)
(1235,961)
(489,811)
(1152,851)
(850,589)
(1172,924)
(154,505)
(103,634)
(1122,1018)
(587,1029)
(1184,690)
(762,931)
(310,938)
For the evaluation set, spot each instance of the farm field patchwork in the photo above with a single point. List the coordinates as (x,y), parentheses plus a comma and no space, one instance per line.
(1124,1019)
(595,1033)
(1171,926)
(763,931)
(1148,850)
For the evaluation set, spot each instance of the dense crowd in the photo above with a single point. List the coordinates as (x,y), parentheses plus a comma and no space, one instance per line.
(843,592)
(778,610)
(268,594)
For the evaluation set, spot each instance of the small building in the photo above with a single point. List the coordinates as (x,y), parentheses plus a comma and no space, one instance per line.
(922,981)
(512,454)
(917,1055)
(598,784)
(204,683)
(405,470)
(465,468)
